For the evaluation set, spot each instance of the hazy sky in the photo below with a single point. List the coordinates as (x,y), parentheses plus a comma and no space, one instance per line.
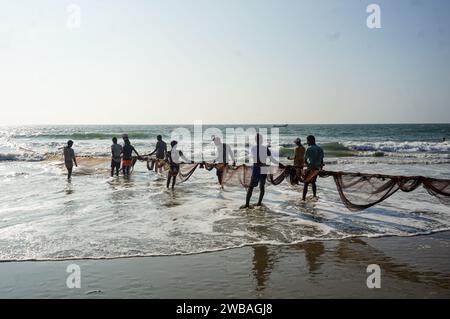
(224,61)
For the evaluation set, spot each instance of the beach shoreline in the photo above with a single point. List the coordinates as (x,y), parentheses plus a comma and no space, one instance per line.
(411,267)
(288,248)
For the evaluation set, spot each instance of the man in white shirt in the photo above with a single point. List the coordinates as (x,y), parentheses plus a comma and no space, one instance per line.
(224,152)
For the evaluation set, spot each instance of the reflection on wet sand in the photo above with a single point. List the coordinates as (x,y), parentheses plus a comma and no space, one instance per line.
(265,258)
(313,251)
(357,250)
(263,262)
(352,252)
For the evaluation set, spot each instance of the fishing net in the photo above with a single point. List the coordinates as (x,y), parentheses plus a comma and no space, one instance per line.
(361,191)
(439,188)
(241,175)
(237,175)
(357,191)
(184,173)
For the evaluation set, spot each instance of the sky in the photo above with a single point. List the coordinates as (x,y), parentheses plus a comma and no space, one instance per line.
(223,62)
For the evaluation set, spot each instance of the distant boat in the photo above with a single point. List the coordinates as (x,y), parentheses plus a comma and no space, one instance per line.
(280,125)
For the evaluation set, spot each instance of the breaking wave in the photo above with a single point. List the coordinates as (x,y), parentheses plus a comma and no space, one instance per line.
(24,157)
(400,147)
(86,136)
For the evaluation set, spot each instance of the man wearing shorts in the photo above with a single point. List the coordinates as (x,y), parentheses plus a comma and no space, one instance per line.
(260,154)
(69,158)
(160,153)
(116,151)
(314,163)
(299,161)
(224,153)
(127,158)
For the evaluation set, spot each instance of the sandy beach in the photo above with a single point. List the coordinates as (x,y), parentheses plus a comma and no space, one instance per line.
(411,267)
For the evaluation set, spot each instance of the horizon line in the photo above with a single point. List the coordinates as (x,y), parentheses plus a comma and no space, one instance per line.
(222,124)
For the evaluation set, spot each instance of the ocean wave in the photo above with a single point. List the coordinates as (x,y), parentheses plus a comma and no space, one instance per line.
(67,256)
(388,161)
(85,136)
(400,147)
(24,157)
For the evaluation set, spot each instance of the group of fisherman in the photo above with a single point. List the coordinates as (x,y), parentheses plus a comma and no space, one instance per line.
(122,157)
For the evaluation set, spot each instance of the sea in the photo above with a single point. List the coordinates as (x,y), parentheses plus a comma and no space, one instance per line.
(44,216)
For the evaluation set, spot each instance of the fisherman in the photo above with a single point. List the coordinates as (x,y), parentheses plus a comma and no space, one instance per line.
(69,158)
(314,163)
(127,158)
(173,157)
(224,152)
(160,152)
(299,159)
(260,154)
(116,151)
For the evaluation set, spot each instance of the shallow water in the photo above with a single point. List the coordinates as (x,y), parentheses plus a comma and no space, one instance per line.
(43,216)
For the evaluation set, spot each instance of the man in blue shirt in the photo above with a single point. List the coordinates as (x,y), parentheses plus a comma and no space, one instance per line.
(314,163)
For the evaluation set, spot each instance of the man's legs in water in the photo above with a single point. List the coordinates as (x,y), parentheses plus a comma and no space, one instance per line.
(174,178)
(262,184)
(305,191)
(168,180)
(314,188)
(249,196)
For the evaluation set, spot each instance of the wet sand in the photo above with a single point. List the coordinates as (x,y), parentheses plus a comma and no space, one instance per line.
(411,267)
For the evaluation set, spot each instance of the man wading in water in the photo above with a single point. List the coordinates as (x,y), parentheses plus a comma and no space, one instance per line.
(160,153)
(224,152)
(69,158)
(127,158)
(260,154)
(173,157)
(116,151)
(314,163)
